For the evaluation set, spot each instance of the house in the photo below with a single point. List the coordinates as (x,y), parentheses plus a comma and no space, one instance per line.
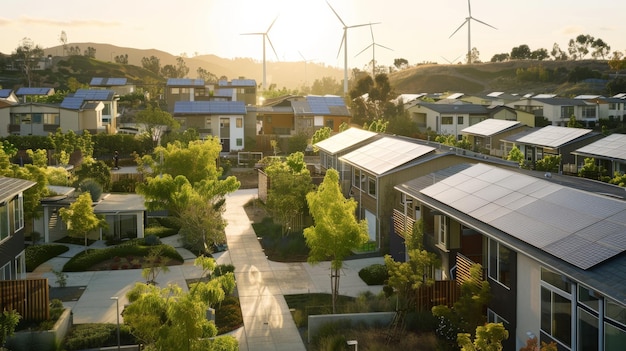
(510,114)
(12,256)
(446,119)
(558,111)
(41,119)
(292,115)
(240,89)
(125,215)
(26,94)
(485,136)
(109,99)
(120,86)
(495,98)
(186,89)
(552,141)
(8,97)
(609,152)
(331,149)
(228,120)
(552,250)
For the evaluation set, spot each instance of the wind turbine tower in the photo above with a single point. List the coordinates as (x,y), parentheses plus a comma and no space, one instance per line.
(468,21)
(373,45)
(344,43)
(265,36)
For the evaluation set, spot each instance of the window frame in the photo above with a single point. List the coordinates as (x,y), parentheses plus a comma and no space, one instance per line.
(496,273)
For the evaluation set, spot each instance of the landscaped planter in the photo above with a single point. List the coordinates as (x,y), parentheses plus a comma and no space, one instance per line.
(370,318)
(42,340)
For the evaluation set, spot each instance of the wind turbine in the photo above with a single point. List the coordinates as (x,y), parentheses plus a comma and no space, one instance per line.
(469,32)
(305,62)
(453,61)
(265,36)
(344,43)
(373,45)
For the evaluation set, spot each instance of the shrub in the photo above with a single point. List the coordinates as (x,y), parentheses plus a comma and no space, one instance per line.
(87,336)
(222,269)
(160,232)
(86,259)
(375,274)
(152,240)
(38,254)
(228,315)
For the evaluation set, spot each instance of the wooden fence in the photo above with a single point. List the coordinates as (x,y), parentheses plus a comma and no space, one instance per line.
(442,292)
(29,297)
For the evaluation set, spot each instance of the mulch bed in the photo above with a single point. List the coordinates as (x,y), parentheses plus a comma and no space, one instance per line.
(68,293)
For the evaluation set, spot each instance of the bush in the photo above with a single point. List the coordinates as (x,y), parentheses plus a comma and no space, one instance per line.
(222,269)
(152,240)
(38,254)
(160,232)
(86,259)
(228,315)
(375,274)
(87,336)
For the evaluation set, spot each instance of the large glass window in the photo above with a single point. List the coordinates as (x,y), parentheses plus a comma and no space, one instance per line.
(615,312)
(567,111)
(4,222)
(371,186)
(587,331)
(447,120)
(589,112)
(499,263)
(614,338)
(556,316)
(18,211)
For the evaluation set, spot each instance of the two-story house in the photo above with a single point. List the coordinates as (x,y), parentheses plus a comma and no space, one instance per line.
(557,110)
(12,258)
(446,119)
(608,152)
(486,136)
(552,250)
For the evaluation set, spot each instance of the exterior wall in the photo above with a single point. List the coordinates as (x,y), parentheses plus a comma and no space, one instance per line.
(335,121)
(278,124)
(528,300)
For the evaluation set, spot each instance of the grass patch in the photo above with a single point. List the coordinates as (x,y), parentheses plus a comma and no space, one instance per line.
(85,260)
(289,248)
(38,254)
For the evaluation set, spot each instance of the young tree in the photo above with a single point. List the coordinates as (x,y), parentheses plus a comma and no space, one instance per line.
(549,163)
(319,135)
(516,155)
(202,226)
(156,122)
(8,321)
(27,55)
(80,218)
(489,337)
(336,231)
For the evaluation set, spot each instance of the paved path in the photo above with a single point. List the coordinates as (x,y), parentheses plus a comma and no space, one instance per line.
(261,284)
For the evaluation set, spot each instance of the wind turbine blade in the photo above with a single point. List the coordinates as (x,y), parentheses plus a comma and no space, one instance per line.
(269,41)
(461,26)
(469,8)
(252,34)
(336,14)
(343,38)
(363,25)
(301,55)
(382,46)
(372,32)
(479,21)
(270,27)
(369,46)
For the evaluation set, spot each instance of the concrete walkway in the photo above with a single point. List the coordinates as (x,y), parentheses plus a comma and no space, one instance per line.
(261,284)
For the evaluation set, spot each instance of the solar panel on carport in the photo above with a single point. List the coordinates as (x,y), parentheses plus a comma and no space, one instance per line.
(581,228)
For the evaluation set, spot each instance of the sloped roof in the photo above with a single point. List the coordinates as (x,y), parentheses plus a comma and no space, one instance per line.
(95,94)
(185,82)
(556,101)
(120,203)
(553,136)
(610,147)
(490,127)
(108,82)
(210,107)
(10,187)
(34,91)
(457,108)
(5,93)
(344,140)
(385,154)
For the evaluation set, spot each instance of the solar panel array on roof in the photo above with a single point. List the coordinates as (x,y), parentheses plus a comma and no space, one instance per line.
(95,95)
(344,140)
(210,107)
(490,127)
(98,81)
(33,91)
(385,154)
(11,186)
(495,94)
(553,136)
(72,102)
(243,83)
(5,93)
(580,228)
(185,82)
(612,146)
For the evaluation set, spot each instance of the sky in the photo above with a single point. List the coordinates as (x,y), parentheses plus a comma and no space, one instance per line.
(308,30)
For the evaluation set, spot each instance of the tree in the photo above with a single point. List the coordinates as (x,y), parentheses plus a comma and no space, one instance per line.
(97,170)
(170,319)
(66,143)
(501,57)
(203,225)
(557,53)
(489,337)
(473,56)
(600,49)
(80,218)
(549,163)
(181,67)
(377,125)
(401,63)
(90,52)
(152,64)
(156,122)
(521,52)
(73,84)
(154,264)
(63,40)
(319,135)
(579,47)
(27,55)
(617,61)
(533,345)
(8,321)
(121,59)
(290,183)
(206,75)
(573,123)
(169,71)
(516,155)
(539,54)
(336,231)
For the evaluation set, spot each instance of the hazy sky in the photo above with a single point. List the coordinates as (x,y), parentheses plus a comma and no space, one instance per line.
(415,30)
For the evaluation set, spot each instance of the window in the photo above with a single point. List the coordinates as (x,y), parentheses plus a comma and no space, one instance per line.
(447,120)
(18,211)
(493,317)
(614,338)
(356,177)
(459,120)
(239,142)
(239,122)
(500,263)
(330,123)
(174,91)
(615,312)
(224,123)
(442,233)
(556,306)
(371,190)
(51,118)
(567,111)
(5,271)
(589,112)
(588,331)
(4,222)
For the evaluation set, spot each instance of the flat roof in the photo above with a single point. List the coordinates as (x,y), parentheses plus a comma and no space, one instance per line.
(553,136)
(344,140)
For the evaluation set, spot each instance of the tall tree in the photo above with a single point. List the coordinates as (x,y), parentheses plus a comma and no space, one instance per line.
(28,55)
(206,75)
(401,63)
(63,40)
(80,218)
(336,231)
(152,64)
(600,49)
(557,53)
(156,122)
(181,67)
(521,52)
(90,52)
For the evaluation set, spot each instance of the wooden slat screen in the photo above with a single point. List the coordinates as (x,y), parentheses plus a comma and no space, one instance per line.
(442,292)
(463,273)
(399,223)
(29,297)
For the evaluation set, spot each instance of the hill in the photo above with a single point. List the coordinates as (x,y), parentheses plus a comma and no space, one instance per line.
(502,76)
(291,75)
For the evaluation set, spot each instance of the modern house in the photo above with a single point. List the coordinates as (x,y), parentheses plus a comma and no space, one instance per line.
(557,110)
(109,99)
(552,141)
(447,119)
(608,152)
(485,136)
(228,120)
(331,149)
(120,86)
(12,257)
(186,89)
(553,254)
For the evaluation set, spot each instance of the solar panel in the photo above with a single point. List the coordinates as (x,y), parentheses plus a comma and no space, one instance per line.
(185,82)
(490,127)
(612,146)
(72,102)
(5,93)
(94,94)
(553,136)
(344,140)
(34,91)
(210,107)
(581,228)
